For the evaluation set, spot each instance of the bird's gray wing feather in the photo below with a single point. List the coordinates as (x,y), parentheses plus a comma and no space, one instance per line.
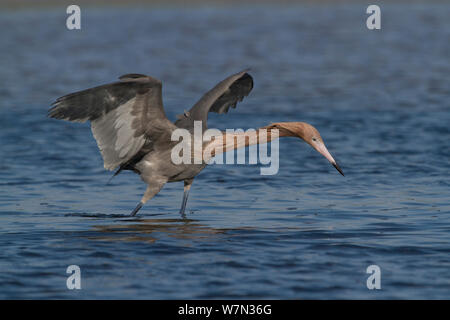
(219,99)
(124,115)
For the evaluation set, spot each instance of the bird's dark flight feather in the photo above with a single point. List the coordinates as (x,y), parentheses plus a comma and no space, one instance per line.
(235,93)
(219,99)
(95,102)
(126,117)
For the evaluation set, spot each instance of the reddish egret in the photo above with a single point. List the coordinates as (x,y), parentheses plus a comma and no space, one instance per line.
(133,133)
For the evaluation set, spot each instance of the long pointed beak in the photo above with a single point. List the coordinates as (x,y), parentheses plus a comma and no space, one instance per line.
(324,151)
(338,168)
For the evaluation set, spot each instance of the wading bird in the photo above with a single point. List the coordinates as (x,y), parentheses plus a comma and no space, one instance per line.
(133,133)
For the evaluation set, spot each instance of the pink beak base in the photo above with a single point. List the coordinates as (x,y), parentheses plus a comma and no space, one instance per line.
(324,151)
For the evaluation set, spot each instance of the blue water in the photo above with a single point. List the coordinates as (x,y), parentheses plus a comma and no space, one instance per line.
(379,98)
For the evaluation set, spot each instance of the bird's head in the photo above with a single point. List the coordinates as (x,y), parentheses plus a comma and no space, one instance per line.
(307,133)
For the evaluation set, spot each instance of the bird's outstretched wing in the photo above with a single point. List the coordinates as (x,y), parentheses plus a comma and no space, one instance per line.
(124,115)
(219,99)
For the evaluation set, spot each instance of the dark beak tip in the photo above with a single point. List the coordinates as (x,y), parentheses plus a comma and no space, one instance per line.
(338,169)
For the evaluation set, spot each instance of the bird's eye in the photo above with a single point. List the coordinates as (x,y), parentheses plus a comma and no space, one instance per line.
(314,139)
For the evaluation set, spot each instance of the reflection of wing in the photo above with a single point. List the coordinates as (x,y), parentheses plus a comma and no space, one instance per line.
(219,99)
(124,115)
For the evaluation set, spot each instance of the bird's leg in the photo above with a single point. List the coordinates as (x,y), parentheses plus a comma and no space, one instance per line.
(138,207)
(187,187)
(151,191)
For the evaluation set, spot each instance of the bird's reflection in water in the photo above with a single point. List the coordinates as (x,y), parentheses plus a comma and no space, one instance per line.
(147,230)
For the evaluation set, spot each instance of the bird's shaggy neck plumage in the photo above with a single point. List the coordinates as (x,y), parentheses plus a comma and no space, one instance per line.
(236,140)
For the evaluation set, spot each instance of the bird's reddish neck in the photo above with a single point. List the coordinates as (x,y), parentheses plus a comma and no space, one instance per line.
(285,129)
(262,135)
(236,140)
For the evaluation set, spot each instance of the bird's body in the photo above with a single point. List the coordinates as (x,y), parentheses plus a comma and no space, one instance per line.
(133,133)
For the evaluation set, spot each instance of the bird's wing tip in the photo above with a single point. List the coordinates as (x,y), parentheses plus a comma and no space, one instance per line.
(51,111)
(246,70)
(132,76)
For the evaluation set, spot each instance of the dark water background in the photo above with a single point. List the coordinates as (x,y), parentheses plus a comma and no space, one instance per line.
(379,98)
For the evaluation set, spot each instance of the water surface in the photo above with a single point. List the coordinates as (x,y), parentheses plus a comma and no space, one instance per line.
(379,98)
